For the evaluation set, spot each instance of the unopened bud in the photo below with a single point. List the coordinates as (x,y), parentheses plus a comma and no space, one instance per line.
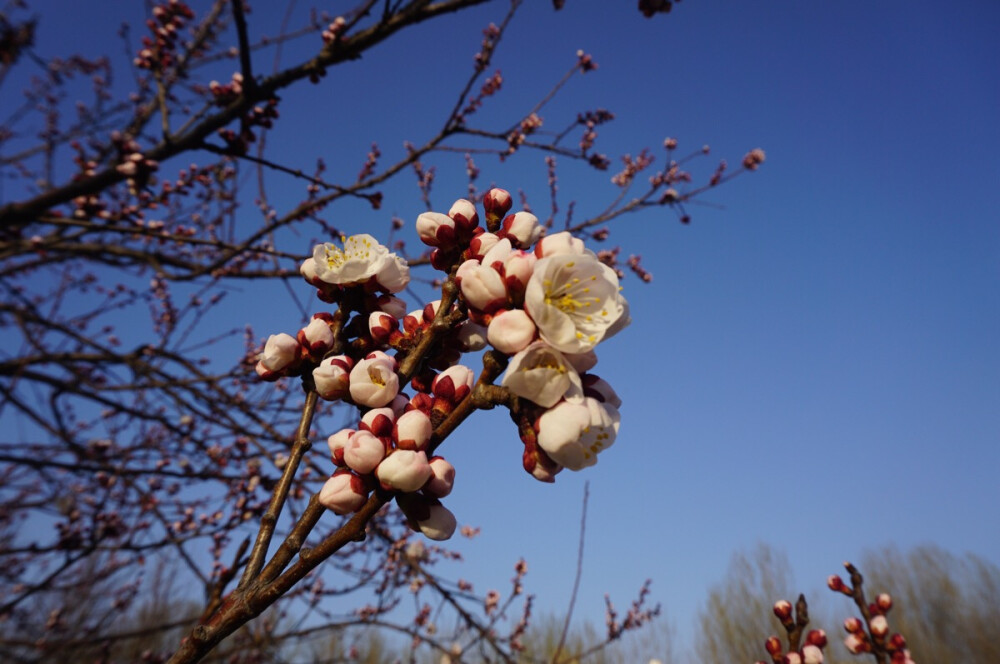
(773,646)
(884,602)
(783,609)
(853,625)
(879,626)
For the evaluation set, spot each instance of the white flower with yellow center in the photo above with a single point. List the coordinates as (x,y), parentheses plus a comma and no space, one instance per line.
(542,374)
(573,434)
(361,259)
(574,300)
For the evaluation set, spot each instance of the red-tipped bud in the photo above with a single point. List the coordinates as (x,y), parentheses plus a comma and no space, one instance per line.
(436,229)
(413,428)
(896,642)
(812,655)
(773,646)
(884,602)
(857,643)
(465,216)
(836,584)
(783,610)
(381,326)
(816,637)
(879,626)
(853,625)
(379,421)
(497,203)
(337,442)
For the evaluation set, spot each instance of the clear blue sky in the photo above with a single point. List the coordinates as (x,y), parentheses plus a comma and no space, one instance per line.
(816,363)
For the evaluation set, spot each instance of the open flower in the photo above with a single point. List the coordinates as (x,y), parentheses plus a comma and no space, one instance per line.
(374,382)
(541,374)
(361,259)
(573,300)
(573,433)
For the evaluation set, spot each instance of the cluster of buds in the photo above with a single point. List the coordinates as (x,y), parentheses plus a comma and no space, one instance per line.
(136,167)
(224,93)
(390,449)
(544,302)
(809,652)
(547,302)
(258,116)
(168,19)
(871,634)
(334,30)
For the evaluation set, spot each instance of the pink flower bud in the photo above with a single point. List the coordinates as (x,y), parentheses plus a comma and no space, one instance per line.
(812,655)
(497,203)
(792,658)
(280,353)
(481,244)
(427,515)
(374,382)
(392,305)
(853,625)
(783,609)
(835,583)
(379,421)
(454,383)
(337,442)
(879,626)
(497,254)
(816,637)
(332,377)
(559,243)
(412,430)
(897,642)
(857,643)
(363,452)
(465,216)
(316,337)
(773,646)
(381,327)
(511,331)
(404,470)
(482,287)
(884,602)
(343,493)
(517,270)
(442,477)
(522,228)
(439,525)
(400,404)
(413,321)
(436,229)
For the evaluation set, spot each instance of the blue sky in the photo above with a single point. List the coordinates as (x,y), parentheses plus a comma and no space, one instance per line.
(815,364)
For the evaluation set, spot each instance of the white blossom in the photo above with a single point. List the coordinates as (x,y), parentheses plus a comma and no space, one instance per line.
(572,434)
(573,300)
(541,374)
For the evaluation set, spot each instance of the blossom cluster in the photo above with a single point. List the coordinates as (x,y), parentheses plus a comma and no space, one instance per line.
(877,637)
(542,301)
